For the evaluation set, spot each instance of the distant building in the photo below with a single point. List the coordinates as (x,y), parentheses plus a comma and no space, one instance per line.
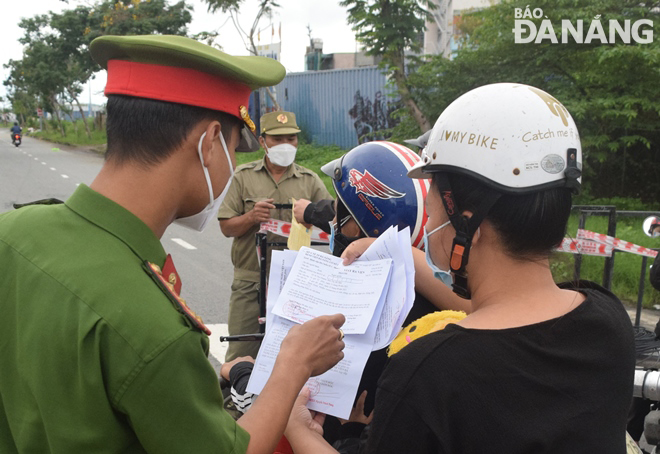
(88,110)
(316,60)
(443,35)
(437,37)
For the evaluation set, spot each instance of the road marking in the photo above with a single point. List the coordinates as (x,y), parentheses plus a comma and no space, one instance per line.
(43,163)
(184,244)
(29,155)
(65,176)
(53,168)
(36,159)
(77,184)
(216,348)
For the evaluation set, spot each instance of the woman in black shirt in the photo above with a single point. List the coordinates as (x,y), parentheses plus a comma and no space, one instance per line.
(534,367)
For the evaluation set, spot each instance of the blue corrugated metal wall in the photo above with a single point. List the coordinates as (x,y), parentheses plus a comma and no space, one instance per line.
(337,106)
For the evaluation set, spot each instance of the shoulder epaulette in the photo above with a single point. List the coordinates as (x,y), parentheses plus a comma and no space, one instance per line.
(248,165)
(179,303)
(304,170)
(50,201)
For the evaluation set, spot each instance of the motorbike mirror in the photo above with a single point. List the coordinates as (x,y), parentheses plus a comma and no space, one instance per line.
(651,226)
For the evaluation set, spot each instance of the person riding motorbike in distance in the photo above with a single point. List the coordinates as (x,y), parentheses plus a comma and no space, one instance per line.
(16,129)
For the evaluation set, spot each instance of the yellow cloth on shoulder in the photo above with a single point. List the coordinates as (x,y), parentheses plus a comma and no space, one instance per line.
(430,323)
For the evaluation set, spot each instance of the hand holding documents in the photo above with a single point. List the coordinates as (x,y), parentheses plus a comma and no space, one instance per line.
(320,285)
(375,295)
(300,235)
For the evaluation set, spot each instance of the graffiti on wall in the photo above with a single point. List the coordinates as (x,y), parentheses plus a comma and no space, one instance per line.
(372,120)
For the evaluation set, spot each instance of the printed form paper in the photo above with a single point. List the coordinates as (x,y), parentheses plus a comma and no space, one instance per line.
(319,284)
(334,391)
(395,245)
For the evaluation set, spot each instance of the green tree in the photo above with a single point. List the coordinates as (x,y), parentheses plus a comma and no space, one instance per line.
(610,89)
(232,7)
(18,91)
(56,53)
(390,29)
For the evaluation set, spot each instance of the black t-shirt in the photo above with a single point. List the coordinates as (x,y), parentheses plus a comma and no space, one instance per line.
(654,275)
(560,386)
(373,370)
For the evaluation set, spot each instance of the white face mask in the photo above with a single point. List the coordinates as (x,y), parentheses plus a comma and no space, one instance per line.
(282,155)
(444,276)
(200,220)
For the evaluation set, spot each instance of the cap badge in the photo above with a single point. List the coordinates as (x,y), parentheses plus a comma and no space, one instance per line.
(281,118)
(246,118)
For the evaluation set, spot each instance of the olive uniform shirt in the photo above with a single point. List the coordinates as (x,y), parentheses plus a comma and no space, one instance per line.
(94,358)
(253,183)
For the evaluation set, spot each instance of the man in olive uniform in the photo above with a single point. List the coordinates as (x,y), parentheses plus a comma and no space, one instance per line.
(257,186)
(98,353)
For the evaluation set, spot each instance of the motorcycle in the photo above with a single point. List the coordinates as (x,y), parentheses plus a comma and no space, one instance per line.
(645,413)
(16,139)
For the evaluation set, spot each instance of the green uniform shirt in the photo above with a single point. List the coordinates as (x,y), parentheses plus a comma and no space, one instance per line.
(253,183)
(94,358)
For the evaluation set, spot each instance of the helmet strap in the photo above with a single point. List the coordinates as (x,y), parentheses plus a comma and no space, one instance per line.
(465,229)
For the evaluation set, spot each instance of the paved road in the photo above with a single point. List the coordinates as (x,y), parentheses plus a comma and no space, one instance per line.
(38,170)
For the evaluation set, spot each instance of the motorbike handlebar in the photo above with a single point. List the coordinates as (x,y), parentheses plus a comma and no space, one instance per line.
(647,384)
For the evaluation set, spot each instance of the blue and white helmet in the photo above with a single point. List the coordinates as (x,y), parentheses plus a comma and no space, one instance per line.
(371,181)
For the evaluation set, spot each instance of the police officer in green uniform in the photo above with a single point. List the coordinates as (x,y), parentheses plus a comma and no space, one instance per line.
(257,186)
(98,353)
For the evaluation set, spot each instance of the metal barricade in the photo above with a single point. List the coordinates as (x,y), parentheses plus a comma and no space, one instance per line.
(612,214)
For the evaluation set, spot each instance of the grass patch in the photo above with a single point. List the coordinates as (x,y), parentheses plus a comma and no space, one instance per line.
(75,134)
(627,267)
(311,156)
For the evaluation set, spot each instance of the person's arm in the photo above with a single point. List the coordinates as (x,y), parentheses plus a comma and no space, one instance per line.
(318,214)
(239,225)
(308,350)
(299,209)
(234,217)
(237,373)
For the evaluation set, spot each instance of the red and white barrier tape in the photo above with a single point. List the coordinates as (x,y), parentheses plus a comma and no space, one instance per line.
(616,243)
(283,228)
(585,247)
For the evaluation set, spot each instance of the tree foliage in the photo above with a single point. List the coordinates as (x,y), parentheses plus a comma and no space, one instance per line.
(390,29)
(265,9)
(610,89)
(56,62)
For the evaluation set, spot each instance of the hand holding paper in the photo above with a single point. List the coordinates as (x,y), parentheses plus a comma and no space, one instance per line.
(375,295)
(315,343)
(320,285)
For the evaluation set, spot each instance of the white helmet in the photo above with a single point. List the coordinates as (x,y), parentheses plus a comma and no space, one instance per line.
(513,137)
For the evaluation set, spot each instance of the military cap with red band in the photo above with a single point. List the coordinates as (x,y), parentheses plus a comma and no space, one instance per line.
(181,70)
